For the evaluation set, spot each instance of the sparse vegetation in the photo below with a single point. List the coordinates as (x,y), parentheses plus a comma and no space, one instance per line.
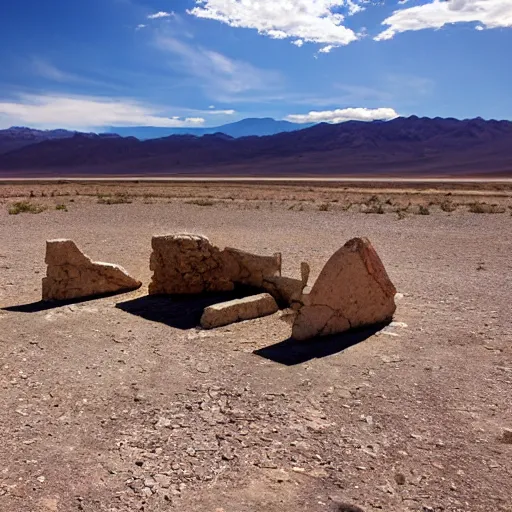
(61,207)
(485,208)
(324,207)
(374,208)
(25,207)
(115,199)
(402,214)
(448,206)
(200,202)
(423,210)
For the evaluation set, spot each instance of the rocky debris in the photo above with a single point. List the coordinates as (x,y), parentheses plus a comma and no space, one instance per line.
(225,313)
(190,264)
(353,290)
(286,290)
(71,274)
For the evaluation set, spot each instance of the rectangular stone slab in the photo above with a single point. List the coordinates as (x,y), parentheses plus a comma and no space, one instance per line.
(237,310)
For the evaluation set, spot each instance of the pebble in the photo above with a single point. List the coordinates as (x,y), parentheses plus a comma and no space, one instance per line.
(202,368)
(507,436)
(147,492)
(400,478)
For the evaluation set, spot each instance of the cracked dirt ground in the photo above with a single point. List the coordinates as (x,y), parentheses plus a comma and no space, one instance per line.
(120,404)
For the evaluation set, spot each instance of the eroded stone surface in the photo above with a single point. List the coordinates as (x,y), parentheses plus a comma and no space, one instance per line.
(184,264)
(71,274)
(250,269)
(226,313)
(353,290)
(287,290)
(190,264)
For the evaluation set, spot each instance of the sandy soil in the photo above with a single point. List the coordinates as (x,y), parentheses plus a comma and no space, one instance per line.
(121,404)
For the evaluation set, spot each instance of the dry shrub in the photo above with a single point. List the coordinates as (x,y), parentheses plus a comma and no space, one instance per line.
(374,208)
(200,202)
(324,207)
(25,207)
(423,210)
(116,199)
(61,207)
(448,206)
(486,208)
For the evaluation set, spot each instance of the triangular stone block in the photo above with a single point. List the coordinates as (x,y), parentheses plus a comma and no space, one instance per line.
(72,275)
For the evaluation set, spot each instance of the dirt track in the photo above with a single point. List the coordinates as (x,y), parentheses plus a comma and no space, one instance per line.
(120,404)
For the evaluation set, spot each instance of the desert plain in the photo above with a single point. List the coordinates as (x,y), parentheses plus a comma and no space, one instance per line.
(121,403)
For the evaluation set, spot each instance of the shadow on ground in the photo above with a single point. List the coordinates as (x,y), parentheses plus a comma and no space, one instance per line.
(179,311)
(291,352)
(43,305)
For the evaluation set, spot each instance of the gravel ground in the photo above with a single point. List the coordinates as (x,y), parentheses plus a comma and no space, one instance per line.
(121,404)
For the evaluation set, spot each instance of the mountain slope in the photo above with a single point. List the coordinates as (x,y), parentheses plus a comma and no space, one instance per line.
(243,128)
(18,137)
(403,146)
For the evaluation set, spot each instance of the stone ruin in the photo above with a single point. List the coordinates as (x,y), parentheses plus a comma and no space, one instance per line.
(353,290)
(71,274)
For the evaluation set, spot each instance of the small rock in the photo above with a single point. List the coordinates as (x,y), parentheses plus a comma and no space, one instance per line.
(346,507)
(147,492)
(41,479)
(400,478)
(49,504)
(202,368)
(149,482)
(507,436)
(162,480)
(163,422)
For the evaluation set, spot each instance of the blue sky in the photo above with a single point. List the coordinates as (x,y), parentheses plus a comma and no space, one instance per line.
(89,64)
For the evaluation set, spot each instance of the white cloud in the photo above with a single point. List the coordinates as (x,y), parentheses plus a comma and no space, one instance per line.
(298,42)
(229,112)
(217,73)
(315,21)
(140,26)
(326,49)
(346,114)
(436,14)
(83,112)
(161,14)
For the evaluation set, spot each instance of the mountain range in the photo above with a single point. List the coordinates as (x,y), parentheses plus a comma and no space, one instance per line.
(17,137)
(401,147)
(244,128)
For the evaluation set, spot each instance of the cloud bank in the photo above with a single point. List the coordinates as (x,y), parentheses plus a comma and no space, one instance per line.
(85,112)
(346,114)
(436,14)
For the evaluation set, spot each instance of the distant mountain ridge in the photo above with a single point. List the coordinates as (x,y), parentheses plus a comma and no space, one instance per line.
(401,147)
(18,137)
(244,128)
